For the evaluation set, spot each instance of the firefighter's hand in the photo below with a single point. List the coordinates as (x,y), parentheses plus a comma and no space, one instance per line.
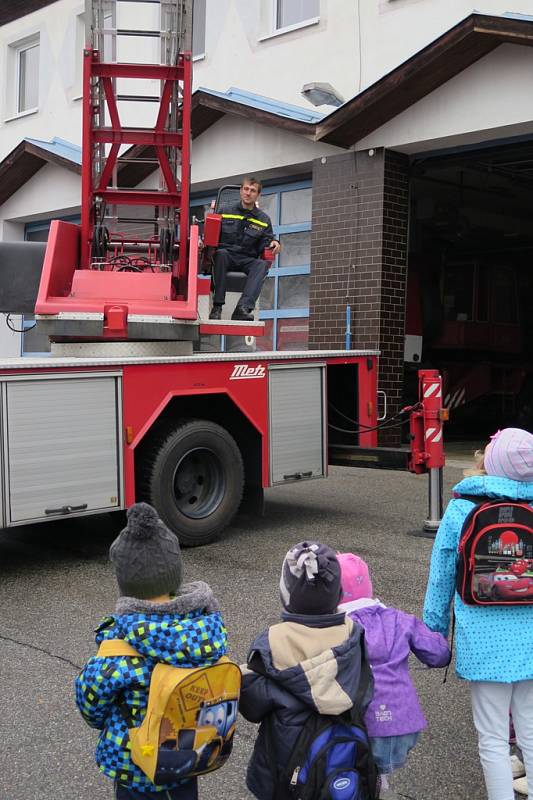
(274,246)
(200,244)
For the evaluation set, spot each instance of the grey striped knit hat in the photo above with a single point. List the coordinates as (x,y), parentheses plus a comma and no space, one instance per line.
(310,579)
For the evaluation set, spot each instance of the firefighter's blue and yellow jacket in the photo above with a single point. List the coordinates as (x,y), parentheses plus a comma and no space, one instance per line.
(188,631)
(244,231)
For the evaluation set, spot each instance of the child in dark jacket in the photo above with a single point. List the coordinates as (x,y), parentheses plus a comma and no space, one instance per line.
(309,663)
(394,718)
(164,621)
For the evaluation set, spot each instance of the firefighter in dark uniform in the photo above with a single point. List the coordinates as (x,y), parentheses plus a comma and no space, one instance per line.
(246,232)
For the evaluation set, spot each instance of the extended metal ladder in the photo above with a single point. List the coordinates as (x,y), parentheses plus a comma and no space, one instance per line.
(130,270)
(123,227)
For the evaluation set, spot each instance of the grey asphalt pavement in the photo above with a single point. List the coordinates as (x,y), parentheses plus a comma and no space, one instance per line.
(56,582)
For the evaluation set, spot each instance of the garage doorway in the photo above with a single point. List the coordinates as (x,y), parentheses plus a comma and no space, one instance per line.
(470,284)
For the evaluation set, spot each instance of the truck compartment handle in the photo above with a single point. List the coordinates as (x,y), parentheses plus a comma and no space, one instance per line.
(65,509)
(298,475)
(384,394)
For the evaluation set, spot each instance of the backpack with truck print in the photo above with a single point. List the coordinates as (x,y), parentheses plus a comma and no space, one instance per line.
(495,564)
(190,717)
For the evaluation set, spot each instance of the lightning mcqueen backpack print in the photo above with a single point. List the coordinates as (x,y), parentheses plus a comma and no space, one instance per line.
(496,554)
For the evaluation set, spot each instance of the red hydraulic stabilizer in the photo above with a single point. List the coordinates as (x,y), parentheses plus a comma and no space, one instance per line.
(130,269)
(426,421)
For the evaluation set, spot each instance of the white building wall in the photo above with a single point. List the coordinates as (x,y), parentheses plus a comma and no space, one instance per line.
(59,113)
(351,46)
(394,30)
(241,50)
(52,191)
(11,340)
(233,146)
(491,99)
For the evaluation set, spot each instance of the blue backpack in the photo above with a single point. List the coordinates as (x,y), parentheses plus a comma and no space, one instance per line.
(331,760)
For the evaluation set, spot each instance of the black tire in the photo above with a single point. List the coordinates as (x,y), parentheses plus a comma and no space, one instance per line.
(194,478)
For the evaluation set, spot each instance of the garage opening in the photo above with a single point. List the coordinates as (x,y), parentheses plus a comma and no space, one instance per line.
(470,285)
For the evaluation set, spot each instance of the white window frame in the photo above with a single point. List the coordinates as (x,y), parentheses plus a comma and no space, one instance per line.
(14,50)
(198,56)
(79,45)
(23,48)
(303,23)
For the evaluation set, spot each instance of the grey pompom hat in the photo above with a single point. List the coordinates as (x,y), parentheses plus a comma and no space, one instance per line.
(146,555)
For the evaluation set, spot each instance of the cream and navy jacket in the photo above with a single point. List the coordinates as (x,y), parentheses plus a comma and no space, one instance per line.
(303,665)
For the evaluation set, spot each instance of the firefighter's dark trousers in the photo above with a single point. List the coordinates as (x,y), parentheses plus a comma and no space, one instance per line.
(227,261)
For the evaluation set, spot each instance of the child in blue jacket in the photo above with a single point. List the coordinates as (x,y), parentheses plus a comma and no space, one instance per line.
(164,621)
(494,644)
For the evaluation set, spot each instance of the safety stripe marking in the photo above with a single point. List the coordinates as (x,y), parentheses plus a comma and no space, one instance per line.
(250,219)
(435,434)
(432,388)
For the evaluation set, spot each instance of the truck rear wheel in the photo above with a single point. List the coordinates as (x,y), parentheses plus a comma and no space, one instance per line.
(194,477)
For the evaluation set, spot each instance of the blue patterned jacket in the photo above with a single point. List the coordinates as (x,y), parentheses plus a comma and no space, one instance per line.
(188,631)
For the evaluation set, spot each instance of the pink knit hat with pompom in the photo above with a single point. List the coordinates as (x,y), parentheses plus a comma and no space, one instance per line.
(355,578)
(509,454)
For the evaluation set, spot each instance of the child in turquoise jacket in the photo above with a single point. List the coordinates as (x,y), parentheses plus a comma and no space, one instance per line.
(494,644)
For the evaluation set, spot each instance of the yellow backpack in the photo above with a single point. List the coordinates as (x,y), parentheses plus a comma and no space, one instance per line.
(190,718)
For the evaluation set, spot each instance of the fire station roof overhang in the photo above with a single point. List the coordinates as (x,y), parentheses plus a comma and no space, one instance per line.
(29,156)
(438,62)
(13,9)
(208,106)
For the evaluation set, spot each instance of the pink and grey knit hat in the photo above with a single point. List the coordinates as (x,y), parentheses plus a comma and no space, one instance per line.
(509,454)
(355,577)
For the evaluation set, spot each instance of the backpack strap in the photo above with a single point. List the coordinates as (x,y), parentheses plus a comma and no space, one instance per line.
(366,681)
(479,500)
(116,647)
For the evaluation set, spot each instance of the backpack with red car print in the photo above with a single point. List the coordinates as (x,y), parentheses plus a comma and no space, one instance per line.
(495,564)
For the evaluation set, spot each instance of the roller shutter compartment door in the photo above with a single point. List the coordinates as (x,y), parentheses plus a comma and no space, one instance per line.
(297,436)
(61,447)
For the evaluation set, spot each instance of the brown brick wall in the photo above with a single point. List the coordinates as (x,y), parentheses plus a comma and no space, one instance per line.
(358,258)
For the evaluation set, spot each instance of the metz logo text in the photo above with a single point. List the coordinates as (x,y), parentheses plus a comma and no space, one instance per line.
(243,371)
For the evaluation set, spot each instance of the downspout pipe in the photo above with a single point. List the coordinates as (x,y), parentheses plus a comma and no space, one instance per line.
(348,333)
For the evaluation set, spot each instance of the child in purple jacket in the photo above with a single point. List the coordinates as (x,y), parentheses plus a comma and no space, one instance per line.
(394,718)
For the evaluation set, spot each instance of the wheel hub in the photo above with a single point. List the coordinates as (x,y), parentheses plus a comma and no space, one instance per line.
(199,483)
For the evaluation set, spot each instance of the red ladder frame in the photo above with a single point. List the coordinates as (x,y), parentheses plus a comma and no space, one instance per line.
(95,134)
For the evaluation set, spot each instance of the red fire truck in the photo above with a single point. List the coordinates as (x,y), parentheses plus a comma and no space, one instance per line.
(127,408)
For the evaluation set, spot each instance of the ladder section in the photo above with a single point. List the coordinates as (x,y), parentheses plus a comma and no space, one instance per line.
(136,120)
